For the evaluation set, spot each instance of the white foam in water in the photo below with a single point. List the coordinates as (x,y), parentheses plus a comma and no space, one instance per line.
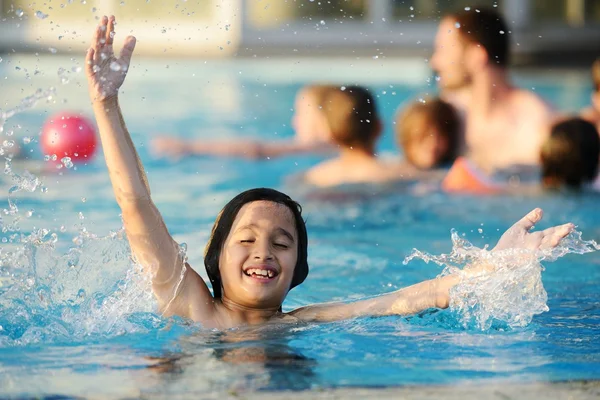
(510,291)
(49,296)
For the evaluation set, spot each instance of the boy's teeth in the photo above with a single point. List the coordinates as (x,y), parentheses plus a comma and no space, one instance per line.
(260,272)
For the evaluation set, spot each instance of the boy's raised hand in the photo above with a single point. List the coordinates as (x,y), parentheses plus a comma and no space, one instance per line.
(105,72)
(519,237)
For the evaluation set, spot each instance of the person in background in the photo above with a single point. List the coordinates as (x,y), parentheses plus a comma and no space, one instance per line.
(311,135)
(570,156)
(504,125)
(592,113)
(429,134)
(353,120)
(569,159)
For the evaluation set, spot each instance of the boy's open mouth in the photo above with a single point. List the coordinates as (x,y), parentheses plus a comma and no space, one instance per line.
(261,272)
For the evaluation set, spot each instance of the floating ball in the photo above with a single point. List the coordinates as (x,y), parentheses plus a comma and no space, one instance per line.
(69,135)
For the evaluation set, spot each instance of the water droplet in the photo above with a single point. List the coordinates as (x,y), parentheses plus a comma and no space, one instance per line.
(83,199)
(52,50)
(66,161)
(502,32)
(41,15)
(467,8)
(411,8)
(457,25)
(19,13)
(343,88)
(322,22)
(115,66)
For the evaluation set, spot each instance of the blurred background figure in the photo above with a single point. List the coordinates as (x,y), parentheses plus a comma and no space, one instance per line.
(312,135)
(592,113)
(429,133)
(570,155)
(504,125)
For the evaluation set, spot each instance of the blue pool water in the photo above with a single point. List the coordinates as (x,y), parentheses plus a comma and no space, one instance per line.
(76,319)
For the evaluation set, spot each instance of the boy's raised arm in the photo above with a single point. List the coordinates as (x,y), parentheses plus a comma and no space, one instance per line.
(151,244)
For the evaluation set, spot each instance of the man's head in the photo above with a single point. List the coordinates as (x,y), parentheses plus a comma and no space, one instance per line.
(468,41)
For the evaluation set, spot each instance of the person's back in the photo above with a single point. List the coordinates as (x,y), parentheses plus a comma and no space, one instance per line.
(354,124)
(505,125)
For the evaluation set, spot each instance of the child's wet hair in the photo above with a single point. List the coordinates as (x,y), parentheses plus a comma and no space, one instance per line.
(225,220)
(570,156)
(352,117)
(417,120)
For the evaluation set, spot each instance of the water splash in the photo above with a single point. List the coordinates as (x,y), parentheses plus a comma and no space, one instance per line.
(509,290)
(46,295)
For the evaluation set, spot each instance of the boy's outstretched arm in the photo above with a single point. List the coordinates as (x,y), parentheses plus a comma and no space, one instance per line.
(435,293)
(151,244)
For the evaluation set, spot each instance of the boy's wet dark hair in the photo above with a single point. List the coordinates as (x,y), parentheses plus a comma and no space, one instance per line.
(434,113)
(570,155)
(486,27)
(223,225)
(352,117)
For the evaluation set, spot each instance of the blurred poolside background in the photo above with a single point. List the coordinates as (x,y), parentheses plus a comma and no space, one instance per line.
(542,31)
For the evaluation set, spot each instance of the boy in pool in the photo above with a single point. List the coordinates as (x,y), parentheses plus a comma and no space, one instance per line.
(429,134)
(592,113)
(258,248)
(311,135)
(353,120)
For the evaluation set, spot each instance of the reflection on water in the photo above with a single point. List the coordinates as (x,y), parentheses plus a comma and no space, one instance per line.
(262,359)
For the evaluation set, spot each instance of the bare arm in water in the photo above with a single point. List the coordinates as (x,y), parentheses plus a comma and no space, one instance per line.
(435,293)
(151,244)
(180,290)
(241,148)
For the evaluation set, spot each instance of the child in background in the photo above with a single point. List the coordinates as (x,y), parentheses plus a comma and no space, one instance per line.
(429,133)
(311,135)
(592,113)
(569,159)
(570,156)
(354,124)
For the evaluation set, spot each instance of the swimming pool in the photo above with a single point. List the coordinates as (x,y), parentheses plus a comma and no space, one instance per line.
(76,320)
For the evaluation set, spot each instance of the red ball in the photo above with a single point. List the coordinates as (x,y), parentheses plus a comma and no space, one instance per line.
(69,135)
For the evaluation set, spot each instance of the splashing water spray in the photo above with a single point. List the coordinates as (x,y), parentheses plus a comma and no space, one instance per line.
(94,288)
(509,290)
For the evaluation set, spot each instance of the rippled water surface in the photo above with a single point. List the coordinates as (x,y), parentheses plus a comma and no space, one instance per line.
(77,319)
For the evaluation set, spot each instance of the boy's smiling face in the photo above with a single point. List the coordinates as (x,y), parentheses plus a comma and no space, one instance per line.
(259,256)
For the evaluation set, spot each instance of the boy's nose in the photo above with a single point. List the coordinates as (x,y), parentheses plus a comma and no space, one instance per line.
(262,251)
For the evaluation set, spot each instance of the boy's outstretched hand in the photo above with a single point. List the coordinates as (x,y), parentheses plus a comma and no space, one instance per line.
(519,237)
(105,72)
